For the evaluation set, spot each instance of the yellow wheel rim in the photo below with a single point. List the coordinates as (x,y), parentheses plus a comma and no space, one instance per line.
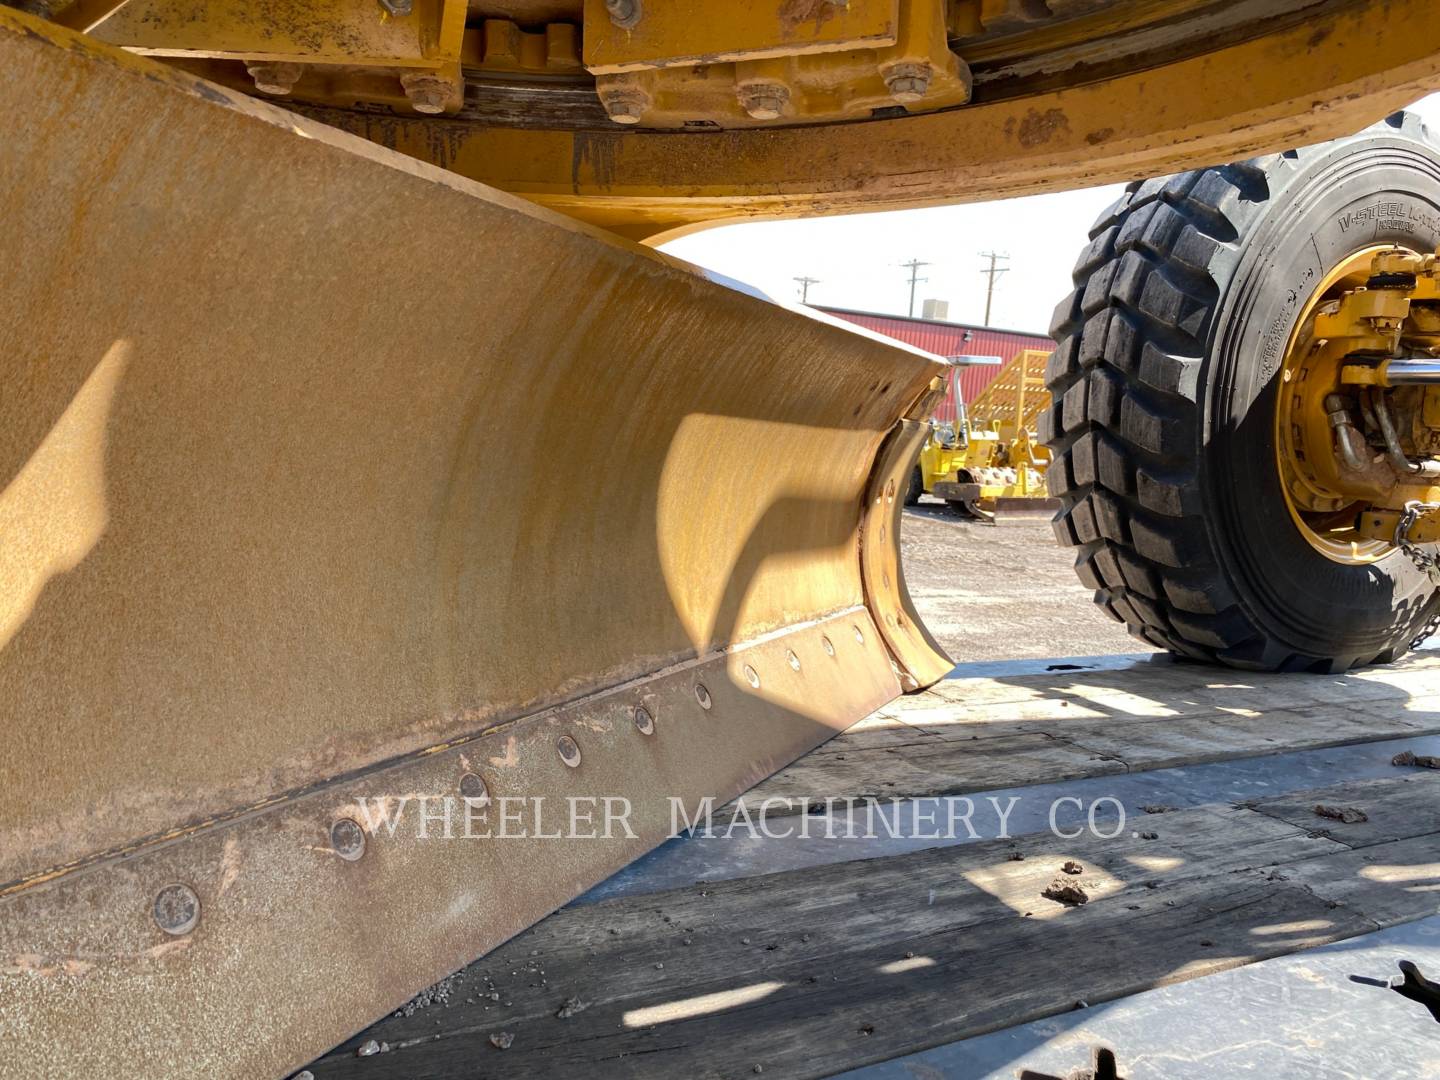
(1325,518)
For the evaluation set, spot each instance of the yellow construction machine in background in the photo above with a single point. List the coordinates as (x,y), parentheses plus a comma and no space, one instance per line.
(986,462)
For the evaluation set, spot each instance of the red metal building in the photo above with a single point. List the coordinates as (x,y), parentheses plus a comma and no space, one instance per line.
(949,339)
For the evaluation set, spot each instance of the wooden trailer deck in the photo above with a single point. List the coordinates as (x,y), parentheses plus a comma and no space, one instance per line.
(925,955)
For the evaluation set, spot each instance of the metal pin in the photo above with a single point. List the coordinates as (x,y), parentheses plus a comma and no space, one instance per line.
(176,909)
(347,839)
(569,751)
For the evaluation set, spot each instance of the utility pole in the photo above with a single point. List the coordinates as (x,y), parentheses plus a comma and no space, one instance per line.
(914,267)
(805,283)
(992,273)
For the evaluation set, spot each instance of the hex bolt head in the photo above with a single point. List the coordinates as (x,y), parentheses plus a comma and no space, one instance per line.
(274,78)
(702,695)
(427,93)
(176,909)
(644,721)
(623,13)
(763,101)
(752,676)
(625,105)
(347,839)
(569,751)
(473,789)
(908,82)
(398,8)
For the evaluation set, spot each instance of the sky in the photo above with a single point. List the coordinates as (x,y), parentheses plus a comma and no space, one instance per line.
(857,258)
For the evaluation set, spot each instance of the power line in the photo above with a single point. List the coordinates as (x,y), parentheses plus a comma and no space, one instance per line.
(914,266)
(992,273)
(805,283)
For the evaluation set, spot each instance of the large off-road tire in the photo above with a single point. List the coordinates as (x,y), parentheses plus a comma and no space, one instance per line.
(1164,381)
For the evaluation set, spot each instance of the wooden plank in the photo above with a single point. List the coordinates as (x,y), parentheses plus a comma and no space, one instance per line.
(1072,725)
(1415,675)
(945,769)
(1404,806)
(929,764)
(1391,883)
(1157,744)
(789,971)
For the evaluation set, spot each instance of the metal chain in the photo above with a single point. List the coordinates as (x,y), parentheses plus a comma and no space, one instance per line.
(1427,562)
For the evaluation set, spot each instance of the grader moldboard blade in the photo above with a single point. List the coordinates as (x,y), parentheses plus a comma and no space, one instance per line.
(289,531)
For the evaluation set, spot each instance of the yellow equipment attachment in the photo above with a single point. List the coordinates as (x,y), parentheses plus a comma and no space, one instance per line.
(1011,403)
(992,464)
(651,117)
(282,550)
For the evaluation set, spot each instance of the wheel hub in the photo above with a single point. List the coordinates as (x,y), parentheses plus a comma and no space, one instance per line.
(1344,481)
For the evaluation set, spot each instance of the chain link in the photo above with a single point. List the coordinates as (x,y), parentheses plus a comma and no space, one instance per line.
(1427,562)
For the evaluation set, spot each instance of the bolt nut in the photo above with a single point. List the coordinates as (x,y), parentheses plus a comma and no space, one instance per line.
(176,909)
(347,839)
(398,8)
(763,101)
(272,78)
(569,751)
(625,105)
(427,93)
(623,13)
(473,789)
(908,82)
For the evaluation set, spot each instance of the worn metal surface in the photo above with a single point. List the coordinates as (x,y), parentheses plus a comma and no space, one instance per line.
(715,31)
(296,947)
(920,659)
(1341,66)
(914,71)
(1063,95)
(276,514)
(315,32)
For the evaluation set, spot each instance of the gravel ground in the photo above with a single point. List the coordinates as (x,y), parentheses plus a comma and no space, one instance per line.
(1002,592)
